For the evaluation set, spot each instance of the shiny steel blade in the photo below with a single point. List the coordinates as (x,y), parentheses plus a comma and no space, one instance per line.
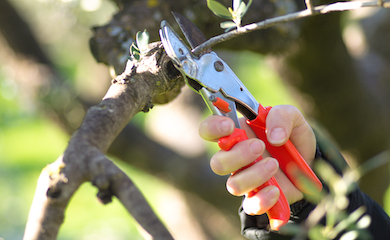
(194,36)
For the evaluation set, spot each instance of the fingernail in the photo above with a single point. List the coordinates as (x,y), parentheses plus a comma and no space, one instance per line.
(271,165)
(278,135)
(225,127)
(256,147)
(272,193)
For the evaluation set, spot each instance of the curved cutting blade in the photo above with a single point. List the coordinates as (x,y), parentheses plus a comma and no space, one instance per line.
(194,36)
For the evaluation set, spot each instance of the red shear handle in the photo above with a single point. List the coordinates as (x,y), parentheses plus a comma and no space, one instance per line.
(290,160)
(279,214)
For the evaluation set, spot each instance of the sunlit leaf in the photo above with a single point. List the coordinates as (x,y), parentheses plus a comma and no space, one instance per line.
(364,222)
(351,235)
(236,4)
(341,202)
(241,9)
(142,39)
(134,51)
(227,24)
(218,9)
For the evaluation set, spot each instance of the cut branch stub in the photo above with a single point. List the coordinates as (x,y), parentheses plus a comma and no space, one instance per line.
(158,71)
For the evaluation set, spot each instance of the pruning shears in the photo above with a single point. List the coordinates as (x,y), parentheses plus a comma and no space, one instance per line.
(225,94)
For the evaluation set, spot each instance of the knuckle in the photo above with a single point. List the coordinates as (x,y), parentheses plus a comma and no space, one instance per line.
(284,110)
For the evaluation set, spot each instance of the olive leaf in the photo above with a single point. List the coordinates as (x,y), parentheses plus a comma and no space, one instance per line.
(236,14)
(228,25)
(218,9)
(134,51)
(142,39)
(239,10)
(140,46)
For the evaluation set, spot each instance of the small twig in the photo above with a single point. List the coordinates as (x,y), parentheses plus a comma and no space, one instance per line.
(309,5)
(323,9)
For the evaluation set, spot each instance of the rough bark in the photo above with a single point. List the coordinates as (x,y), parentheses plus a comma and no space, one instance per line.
(84,158)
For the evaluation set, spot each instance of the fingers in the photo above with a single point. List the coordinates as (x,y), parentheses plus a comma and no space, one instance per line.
(267,197)
(287,122)
(280,122)
(241,155)
(215,127)
(252,177)
(262,201)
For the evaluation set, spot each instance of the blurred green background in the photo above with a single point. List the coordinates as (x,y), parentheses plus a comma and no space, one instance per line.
(29,140)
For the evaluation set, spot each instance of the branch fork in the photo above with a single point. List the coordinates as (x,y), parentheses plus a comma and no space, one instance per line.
(84,159)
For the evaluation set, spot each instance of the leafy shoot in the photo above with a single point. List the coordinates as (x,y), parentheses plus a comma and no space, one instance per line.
(234,14)
(140,47)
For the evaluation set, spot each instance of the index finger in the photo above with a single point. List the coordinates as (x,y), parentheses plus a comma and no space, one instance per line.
(215,127)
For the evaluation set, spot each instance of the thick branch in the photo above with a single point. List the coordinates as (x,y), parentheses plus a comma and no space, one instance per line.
(84,159)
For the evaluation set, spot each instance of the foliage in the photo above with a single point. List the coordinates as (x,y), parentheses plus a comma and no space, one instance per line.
(333,205)
(235,14)
(138,48)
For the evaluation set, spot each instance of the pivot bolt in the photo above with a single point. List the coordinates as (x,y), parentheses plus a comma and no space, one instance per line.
(218,65)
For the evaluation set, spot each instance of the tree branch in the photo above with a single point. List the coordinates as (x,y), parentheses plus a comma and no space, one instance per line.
(84,159)
(324,9)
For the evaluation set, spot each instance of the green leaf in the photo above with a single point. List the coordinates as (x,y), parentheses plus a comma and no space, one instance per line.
(351,235)
(218,9)
(244,8)
(142,39)
(236,4)
(227,24)
(364,222)
(241,9)
(134,51)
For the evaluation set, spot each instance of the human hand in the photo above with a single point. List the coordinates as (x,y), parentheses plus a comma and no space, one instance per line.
(282,123)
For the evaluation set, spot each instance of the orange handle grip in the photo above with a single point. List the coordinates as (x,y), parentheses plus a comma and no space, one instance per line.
(290,160)
(279,214)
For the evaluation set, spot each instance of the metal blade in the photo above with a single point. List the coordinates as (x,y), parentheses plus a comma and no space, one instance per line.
(194,36)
